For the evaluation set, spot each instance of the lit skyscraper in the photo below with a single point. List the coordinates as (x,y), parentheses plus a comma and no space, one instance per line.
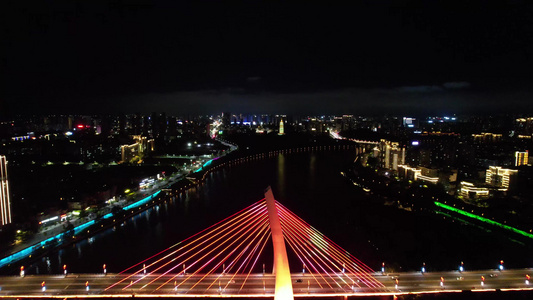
(5,205)
(521,158)
(281,127)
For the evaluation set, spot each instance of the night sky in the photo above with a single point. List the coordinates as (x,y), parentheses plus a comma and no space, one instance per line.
(369,57)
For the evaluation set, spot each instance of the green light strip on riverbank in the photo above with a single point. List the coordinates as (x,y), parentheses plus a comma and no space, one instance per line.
(464,213)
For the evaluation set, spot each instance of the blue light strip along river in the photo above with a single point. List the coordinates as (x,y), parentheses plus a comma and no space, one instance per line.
(59,237)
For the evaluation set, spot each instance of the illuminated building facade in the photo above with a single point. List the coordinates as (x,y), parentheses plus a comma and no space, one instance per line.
(500,177)
(470,191)
(141,147)
(525,126)
(422,174)
(521,158)
(487,137)
(5,204)
(391,154)
(281,127)
(129,152)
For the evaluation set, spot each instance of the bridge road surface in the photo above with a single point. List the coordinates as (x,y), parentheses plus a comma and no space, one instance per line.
(259,285)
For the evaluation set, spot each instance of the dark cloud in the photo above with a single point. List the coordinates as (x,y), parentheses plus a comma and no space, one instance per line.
(336,101)
(456,85)
(276,56)
(421,89)
(435,88)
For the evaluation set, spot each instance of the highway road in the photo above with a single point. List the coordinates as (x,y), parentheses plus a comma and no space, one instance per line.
(258,285)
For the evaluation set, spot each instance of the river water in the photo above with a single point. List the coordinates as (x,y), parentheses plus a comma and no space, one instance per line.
(309,184)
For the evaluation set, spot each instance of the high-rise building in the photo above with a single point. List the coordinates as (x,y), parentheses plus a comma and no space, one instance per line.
(500,177)
(5,204)
(281,127)
(521,158)
(141,147)
(391,154)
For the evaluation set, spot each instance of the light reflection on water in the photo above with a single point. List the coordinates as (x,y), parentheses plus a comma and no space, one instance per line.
(310,185)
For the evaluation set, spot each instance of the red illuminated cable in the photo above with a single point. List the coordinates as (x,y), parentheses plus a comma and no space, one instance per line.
(223,260)
(192,236)
(177,265)
(197,261)
(307,227)
(325,261)
(361,264)
(329,263)
(200,258)
(239,218)
(248,257)
(265,231)
(342,258)
(295,245)
(301,245)
(304,226)
(256,258)
(337,267)
(162,265)
(317,250)
(264,227)
(296,251)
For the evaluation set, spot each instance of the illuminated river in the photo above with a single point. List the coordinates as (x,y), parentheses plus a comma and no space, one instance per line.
(311,186)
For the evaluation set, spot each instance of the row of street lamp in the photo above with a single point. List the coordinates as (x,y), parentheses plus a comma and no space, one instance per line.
(23,273)
(423,269)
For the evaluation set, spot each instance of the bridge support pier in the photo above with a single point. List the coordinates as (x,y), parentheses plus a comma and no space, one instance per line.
(283,288)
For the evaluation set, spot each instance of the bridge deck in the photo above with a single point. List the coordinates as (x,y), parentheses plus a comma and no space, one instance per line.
(256,285)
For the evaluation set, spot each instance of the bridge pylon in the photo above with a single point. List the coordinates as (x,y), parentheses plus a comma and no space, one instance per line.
(283,288)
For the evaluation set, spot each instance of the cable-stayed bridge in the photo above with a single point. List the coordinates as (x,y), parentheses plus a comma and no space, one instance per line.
(227,260)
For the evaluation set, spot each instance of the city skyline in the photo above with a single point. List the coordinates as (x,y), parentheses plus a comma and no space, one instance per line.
(402,130)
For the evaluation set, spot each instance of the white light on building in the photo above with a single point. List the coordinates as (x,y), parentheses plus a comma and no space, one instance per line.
(500,177)
(5,204)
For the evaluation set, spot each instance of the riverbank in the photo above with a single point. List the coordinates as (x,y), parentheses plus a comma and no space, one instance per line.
(88,229)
